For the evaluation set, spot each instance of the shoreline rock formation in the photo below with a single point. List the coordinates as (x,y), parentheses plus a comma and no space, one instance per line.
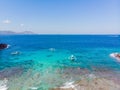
(3,46)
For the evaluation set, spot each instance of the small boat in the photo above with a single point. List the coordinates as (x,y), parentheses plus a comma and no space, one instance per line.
(52,49)
(72,58)
(115,56)
(15,53)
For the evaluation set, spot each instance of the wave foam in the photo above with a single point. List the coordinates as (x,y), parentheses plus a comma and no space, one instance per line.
(3,84)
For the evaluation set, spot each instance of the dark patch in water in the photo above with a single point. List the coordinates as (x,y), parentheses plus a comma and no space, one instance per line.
(3,46)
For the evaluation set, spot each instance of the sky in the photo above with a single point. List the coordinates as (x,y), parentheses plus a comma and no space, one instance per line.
(61,16)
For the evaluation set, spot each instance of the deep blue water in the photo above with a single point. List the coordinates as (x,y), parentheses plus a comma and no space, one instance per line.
(61,41)
(85,47)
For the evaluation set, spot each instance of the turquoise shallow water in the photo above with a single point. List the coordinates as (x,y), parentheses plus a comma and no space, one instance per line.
(43,61)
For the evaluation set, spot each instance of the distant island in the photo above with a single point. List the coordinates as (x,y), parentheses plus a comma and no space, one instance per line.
(14,33)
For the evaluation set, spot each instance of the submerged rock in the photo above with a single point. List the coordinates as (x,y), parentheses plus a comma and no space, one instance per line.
(3,84)
(3,46)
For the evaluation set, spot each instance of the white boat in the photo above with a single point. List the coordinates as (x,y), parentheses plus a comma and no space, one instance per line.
(72,58)
(15,53)
(52,49)
(115,56)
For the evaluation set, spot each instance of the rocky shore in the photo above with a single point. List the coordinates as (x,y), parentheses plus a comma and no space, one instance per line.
(91,84)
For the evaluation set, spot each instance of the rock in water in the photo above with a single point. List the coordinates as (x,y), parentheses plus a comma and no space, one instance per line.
(3,46)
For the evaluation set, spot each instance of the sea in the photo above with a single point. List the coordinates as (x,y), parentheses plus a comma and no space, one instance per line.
(42,62)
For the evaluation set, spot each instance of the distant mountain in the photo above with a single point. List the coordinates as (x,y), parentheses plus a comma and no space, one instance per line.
(7,32)
(14,33)
(26,32)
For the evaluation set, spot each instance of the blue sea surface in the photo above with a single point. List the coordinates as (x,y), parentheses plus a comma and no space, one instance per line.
(45,58)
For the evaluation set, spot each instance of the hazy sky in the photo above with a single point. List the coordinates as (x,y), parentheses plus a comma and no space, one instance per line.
(61,16)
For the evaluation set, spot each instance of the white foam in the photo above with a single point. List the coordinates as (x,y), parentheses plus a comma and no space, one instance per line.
(3,84)
(8,46)
(33,88)
(69,85)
